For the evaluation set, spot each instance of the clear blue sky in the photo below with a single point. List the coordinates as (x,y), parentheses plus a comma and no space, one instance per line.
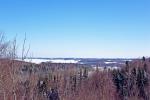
(79,28)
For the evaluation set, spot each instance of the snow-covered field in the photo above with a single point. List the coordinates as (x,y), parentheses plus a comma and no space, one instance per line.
(38,61)
(75,60)
(110,62)
(106,68)
(64,61)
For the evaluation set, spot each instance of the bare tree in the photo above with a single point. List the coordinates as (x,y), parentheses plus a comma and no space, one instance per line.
(13,55)
(24,51)
(3,46)
(3,54)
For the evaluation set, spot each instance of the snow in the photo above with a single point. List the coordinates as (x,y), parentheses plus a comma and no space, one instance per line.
(38,61)
(108,67)
(64,61)
(110,62)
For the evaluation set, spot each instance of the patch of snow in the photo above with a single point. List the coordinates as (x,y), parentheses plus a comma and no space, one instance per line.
(106,68)
(38,61)
(110,62)
(64,61)
(113,68)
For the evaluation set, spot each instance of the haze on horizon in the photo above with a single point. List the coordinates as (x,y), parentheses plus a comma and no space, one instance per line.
(79,28)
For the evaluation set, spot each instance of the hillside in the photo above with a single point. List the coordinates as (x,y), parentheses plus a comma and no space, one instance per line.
(29,81)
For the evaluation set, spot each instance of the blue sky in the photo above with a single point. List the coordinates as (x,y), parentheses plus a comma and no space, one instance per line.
(79,28)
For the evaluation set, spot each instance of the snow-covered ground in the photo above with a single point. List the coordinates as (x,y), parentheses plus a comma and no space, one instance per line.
(63,61)
(74,60)
(110,62)
(38,61)
(107,68)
